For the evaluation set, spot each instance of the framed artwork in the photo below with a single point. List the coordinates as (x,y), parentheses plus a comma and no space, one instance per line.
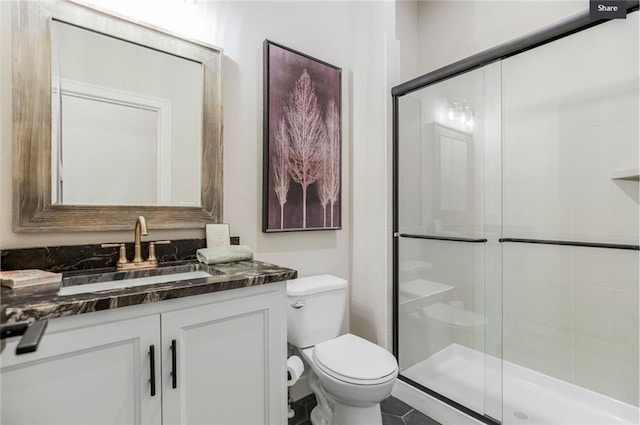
(302,182)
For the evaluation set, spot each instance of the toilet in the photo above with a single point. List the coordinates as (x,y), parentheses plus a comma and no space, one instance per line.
(349,375)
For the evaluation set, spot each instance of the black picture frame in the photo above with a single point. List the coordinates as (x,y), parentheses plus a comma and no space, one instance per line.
(302,142)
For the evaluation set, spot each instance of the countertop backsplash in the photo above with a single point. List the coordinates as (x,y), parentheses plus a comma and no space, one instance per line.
(62,259)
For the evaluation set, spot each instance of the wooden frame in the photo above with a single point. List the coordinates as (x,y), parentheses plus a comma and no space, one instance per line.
(32,207)
(302,148)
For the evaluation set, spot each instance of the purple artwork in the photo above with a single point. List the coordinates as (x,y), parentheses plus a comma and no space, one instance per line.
(302,147)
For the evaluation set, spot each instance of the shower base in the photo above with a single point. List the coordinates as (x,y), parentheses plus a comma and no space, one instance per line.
(530,398)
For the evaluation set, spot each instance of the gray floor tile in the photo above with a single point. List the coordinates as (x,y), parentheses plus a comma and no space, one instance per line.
(394,412)
(391,420)
(393,406)
(300,415)
(417,418)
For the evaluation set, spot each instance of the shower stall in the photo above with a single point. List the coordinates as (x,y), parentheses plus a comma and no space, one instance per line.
(515,219)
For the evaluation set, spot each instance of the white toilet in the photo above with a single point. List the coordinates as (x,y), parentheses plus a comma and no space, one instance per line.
(349,375)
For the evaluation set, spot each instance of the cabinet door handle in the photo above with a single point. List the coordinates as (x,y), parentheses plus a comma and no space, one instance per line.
(152,367)
(174,368)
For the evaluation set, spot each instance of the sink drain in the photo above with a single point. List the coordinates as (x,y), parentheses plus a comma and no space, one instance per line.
(521,415)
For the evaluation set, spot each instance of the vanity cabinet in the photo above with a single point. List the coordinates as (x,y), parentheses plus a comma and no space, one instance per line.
(226,372)
(89,375)
(219,359)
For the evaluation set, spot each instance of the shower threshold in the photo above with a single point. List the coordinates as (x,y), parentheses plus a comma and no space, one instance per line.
(473,379)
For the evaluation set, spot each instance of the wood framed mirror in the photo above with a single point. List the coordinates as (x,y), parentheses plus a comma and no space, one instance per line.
(89,155)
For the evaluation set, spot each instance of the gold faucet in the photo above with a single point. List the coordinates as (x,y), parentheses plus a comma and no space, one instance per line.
(141,229)
(137,263)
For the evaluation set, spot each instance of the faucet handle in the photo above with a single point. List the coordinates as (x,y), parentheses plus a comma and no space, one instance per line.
(122,259)
(152,249)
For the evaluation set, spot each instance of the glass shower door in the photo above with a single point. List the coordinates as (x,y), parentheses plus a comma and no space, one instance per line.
(571,196)
(448,256)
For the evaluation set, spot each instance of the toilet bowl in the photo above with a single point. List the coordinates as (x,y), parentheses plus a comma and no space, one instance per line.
(349,375)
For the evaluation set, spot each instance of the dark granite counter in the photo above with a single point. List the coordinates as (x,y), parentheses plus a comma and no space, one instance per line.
(44,302)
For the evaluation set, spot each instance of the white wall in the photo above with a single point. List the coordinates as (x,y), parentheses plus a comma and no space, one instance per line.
(376,57)
(407,34)
(452,30)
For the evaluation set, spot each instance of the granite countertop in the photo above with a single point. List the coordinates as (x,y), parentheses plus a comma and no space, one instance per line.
(43,302)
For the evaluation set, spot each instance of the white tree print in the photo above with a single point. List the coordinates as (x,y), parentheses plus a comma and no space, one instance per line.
(332,173)
(323,185)
(329,182)
(306,133)
(280,163)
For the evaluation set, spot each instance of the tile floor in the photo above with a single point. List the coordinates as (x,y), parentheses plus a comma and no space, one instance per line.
(394,412)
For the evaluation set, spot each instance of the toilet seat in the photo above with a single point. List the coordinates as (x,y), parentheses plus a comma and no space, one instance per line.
(352,359)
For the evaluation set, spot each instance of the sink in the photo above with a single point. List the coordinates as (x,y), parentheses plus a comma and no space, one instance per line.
(81,284)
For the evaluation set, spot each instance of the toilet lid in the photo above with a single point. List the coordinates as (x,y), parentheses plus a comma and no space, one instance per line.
(353,359)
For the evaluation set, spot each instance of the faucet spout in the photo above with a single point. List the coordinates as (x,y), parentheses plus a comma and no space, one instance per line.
(141,229)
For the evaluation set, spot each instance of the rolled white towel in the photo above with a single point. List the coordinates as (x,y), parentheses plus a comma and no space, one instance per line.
(224,254)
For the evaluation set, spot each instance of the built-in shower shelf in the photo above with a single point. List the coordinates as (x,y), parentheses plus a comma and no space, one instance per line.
(632,174)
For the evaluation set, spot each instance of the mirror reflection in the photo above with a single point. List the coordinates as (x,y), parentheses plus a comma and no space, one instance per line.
(123,135)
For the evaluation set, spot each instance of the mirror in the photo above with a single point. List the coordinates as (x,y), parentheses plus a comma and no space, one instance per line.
(112,119)
(129,135)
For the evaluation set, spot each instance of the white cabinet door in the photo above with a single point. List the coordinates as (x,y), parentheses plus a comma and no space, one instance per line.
(230,362)
(89,375)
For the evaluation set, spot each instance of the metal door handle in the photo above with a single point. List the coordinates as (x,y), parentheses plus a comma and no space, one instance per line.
(31,334)
(174,368)
(152,367)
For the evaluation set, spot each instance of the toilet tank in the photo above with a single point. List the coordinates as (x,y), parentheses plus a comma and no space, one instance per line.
(315,309)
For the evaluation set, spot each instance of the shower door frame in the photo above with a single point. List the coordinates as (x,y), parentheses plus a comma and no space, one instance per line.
(561,29)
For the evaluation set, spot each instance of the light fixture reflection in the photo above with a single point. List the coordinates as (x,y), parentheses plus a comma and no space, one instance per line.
(460,114)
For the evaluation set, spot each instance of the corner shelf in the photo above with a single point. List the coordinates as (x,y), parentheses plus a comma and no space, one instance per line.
(632,174)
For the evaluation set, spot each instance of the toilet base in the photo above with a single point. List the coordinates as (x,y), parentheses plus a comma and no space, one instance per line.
(352,415)
(348,415)
(331,411)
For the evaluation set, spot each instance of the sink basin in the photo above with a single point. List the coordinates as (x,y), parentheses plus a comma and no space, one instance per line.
(82,284)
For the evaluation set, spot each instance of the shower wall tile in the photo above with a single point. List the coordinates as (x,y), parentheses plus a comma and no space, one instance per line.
(624,146)
(537,301)
(606,314)
(536,208)
(410,207)
(606,368)
(622,238)
(602,206)
(465,281)
(411,175)
(411,250)
(541,348)
(605,109)
(547,262)
(447,255)
(528,161)
(610,268)
(598,159)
